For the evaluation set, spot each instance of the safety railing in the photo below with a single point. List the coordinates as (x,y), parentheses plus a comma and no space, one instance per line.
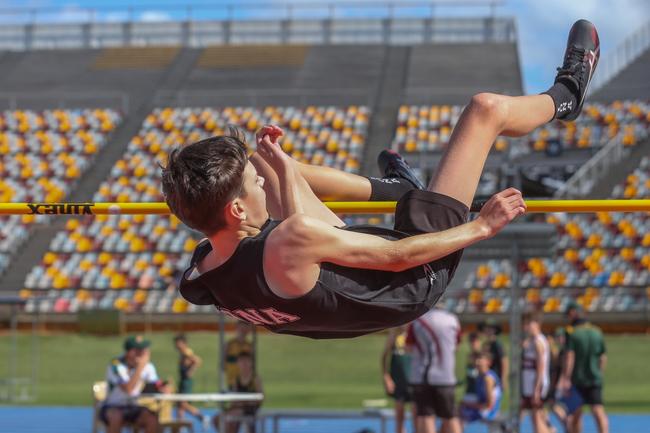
(357,28)
(624,54)
(149,11)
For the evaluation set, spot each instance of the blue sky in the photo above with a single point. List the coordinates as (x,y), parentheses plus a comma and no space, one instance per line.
(542,24)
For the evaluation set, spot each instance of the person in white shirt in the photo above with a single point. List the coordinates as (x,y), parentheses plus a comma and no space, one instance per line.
(535,372)
(127,376)
(433,339)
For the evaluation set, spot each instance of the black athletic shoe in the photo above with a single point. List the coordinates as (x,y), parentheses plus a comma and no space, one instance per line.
(580,60)
(391,164)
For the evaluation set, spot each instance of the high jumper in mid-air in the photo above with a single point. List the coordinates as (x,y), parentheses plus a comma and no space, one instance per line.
(276,256)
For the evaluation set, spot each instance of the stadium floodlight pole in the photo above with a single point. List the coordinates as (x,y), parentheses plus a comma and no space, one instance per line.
(352,207)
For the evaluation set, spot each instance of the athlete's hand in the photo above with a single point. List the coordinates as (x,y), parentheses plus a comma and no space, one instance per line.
(500,209)
(269,148)
(389,384)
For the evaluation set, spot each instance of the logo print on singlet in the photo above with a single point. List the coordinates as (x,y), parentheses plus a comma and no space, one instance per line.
(261,317)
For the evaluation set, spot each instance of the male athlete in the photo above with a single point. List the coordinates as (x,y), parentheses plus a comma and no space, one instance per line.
(276,256)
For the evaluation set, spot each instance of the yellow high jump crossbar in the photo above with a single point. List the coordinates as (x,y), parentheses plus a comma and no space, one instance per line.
(377,207)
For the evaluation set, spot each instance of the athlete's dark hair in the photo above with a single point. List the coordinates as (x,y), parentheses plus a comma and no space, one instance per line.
(201,178)
(180,337)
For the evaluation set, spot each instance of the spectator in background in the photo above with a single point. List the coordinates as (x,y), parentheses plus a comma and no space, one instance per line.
(242,412)
(583,369)
(535,379)
(127,376)
(240,343)
(488,392)
(499,359)
(471,372)
(434,338)
(558,351)
(188,362)
(396,365)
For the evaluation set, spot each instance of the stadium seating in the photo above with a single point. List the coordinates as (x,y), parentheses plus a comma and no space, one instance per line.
(42,155)
(129,262)
(428,128)
(603,261)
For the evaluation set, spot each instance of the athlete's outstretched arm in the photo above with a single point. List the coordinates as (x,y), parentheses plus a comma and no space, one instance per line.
(300,244)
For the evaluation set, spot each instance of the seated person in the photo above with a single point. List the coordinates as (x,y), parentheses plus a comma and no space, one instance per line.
(485,405)
(238,412)
(127,376)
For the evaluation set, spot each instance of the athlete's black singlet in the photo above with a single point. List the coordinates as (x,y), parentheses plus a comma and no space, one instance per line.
(345,302)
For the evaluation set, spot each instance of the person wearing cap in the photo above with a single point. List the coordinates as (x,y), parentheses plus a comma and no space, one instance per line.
(499,359)
(582,369)
(127,376)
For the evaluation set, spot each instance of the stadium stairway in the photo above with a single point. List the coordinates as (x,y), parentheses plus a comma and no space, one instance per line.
(619,172)
(389,94)
(142,104)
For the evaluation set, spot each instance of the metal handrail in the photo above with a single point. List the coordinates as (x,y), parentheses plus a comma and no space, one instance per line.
(583,180)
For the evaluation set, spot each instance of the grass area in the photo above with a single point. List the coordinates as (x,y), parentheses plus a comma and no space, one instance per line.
(297,372)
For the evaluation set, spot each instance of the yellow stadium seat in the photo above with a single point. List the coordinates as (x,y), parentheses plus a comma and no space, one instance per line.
(121,304)
(179,306)
(49,258)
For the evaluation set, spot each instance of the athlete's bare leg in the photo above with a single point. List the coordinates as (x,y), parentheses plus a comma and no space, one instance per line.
(330,184)
(485,118)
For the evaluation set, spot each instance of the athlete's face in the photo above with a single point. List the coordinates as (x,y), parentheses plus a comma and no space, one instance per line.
(253,198)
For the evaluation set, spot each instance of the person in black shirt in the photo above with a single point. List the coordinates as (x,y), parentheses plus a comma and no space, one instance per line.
(276,256)
(471,373)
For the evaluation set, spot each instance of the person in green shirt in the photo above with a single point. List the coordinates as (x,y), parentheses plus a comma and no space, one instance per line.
(396,366)
(583,368)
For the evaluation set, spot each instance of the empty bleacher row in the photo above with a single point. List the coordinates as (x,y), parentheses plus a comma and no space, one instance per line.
(428,128)
(42,155)
(133,262)
(603,262)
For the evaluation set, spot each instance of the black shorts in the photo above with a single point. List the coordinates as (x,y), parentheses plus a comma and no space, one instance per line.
(429,212)
(591,394)
(130,413)
(438,400)
(527,403)
(402,393)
